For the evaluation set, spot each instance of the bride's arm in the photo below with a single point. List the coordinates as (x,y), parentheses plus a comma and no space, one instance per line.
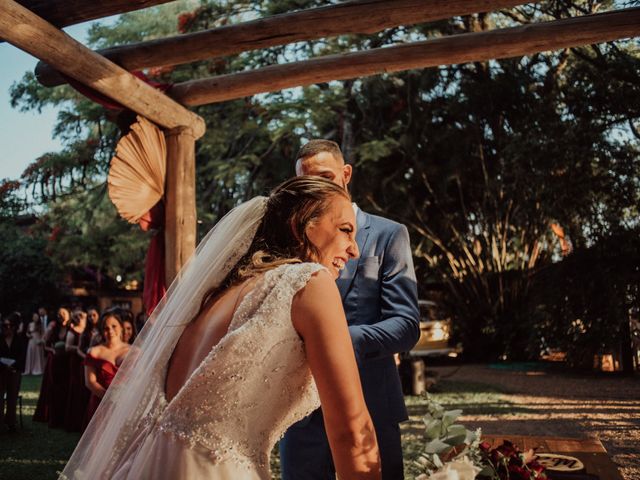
(318,317)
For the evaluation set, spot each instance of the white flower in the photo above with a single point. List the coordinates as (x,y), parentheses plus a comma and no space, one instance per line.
(459,469)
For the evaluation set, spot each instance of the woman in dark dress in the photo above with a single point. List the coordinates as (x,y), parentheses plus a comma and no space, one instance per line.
(78,392)
(91,335)
(54,387)
(56,331)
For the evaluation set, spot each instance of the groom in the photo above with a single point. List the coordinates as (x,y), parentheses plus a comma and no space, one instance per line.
(380,300)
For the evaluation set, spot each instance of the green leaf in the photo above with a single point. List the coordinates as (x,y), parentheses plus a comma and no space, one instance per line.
(449,417)
(437,446)
(433,429)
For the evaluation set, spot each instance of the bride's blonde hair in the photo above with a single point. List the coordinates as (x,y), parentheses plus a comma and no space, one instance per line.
(281,237)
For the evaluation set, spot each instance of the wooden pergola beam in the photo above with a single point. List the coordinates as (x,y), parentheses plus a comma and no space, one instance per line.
(470,47)
(362,16)
(62,13)
(24,29)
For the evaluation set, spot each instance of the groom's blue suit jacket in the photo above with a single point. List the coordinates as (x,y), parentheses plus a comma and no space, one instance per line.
(380,299)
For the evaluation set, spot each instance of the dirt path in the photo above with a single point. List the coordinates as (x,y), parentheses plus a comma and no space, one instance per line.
(564,405)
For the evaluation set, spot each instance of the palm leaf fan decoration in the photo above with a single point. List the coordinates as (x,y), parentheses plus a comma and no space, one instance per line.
(137,171)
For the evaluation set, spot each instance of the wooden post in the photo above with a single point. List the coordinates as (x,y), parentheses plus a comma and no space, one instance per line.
(180,200)
(418,379)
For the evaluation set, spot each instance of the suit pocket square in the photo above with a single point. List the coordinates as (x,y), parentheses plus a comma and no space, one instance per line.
(369,267)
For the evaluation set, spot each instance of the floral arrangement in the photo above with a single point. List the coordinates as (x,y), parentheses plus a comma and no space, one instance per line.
(508,462)
(452,452)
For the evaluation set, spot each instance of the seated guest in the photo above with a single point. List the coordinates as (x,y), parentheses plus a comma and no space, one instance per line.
(102,361)
(13,350)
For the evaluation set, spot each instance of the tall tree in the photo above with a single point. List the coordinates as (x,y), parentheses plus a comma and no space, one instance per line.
(479,160)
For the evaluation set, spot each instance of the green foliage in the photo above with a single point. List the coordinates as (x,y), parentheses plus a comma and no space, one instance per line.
(476,159)
(28,276)
(85,231)
(445,440)
(11,202)
(581,305)
(479,159)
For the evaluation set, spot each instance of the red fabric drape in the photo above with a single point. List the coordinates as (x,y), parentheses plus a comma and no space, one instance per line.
(154,274)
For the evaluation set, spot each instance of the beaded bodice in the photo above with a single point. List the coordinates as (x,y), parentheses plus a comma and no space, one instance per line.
(254,383)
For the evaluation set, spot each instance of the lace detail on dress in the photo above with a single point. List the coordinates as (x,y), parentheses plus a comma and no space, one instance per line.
(254,383)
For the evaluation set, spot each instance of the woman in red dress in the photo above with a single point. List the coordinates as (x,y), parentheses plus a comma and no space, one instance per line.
(102,361)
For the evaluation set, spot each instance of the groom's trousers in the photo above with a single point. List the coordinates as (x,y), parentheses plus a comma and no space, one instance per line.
(305,452)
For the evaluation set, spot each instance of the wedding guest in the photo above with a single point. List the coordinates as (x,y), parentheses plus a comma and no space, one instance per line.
(102,361)
(129,332)
(57,369)
(12,355)
(34,364)
(23,326)
(54,335)
(91,335)
(42,313)
(78,396)
(141,319)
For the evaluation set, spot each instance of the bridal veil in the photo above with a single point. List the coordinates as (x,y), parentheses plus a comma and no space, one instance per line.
(134,399)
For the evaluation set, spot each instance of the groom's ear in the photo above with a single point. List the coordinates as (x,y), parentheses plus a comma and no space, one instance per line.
(347,172)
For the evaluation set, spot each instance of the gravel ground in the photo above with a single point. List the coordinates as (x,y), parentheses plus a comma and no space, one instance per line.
(553,403)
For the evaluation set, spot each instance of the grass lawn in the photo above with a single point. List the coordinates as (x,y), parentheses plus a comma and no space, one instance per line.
(37,452)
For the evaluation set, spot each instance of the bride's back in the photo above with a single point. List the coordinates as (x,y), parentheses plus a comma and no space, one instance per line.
(201,335)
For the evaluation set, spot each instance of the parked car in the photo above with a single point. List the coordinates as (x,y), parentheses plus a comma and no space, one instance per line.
(435,341)
(435,333)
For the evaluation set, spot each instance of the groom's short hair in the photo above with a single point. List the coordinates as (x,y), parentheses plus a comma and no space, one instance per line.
(314,147)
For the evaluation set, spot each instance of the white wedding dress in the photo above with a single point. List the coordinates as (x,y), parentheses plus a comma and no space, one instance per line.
(248,390)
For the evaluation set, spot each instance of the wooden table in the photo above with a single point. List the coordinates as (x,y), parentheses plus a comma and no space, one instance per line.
(589,450)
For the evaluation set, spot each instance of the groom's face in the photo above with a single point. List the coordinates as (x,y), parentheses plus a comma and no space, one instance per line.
(325,165)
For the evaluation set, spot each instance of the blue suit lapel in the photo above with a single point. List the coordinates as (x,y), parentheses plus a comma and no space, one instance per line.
(348,274)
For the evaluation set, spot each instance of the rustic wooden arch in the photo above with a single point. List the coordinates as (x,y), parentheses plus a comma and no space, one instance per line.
(33,26)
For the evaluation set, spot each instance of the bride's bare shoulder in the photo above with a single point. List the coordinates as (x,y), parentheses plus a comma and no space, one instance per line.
(316,302)
(320,284)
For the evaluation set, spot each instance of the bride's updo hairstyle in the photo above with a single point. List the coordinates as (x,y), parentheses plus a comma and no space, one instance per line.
(281,237)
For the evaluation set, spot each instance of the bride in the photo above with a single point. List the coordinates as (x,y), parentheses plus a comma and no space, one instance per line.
(249,339)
